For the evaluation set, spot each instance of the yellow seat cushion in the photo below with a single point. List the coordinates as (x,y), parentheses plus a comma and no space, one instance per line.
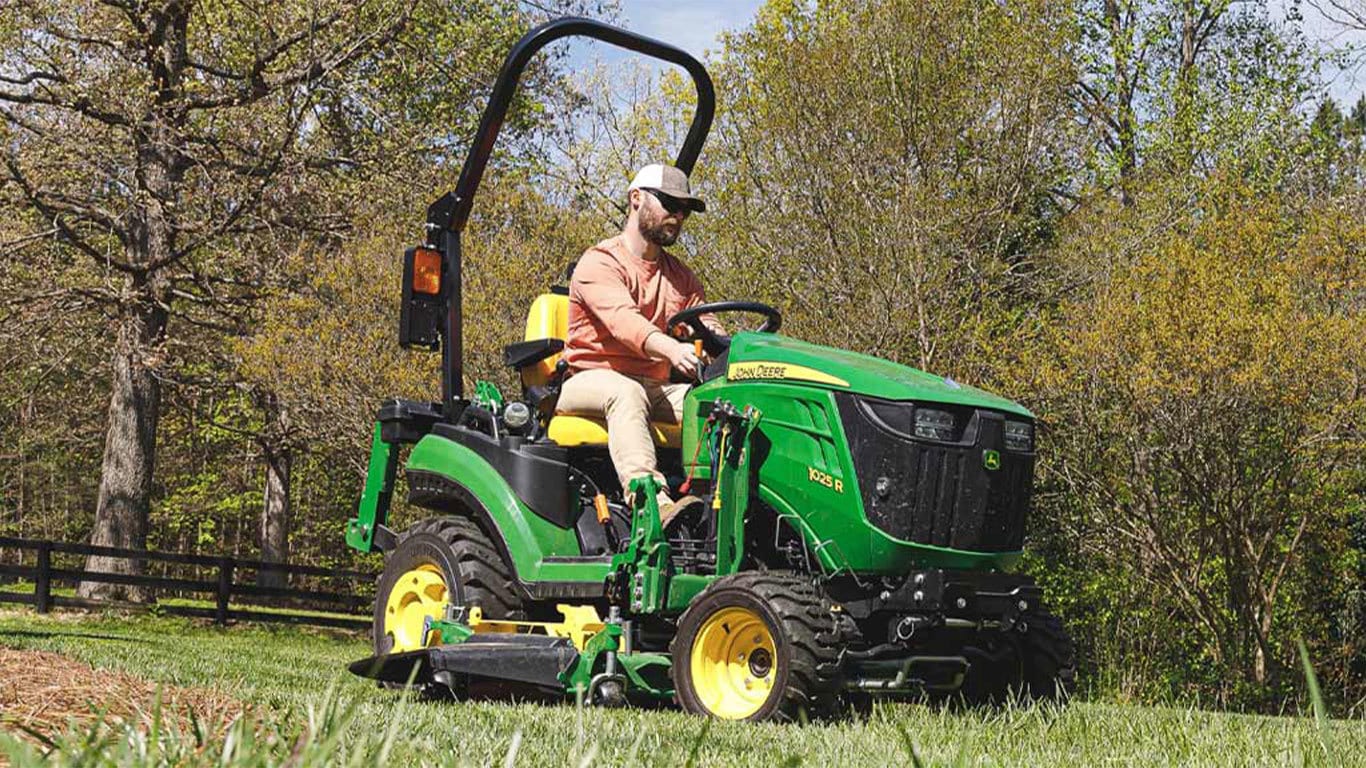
(572,431)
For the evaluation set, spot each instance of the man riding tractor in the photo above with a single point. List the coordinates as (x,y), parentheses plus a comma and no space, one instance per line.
(862,523)
(618,350)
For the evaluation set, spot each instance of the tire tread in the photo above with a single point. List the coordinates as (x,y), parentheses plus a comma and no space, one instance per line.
(814,633)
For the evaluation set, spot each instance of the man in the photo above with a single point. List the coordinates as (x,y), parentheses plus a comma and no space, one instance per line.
(618,350)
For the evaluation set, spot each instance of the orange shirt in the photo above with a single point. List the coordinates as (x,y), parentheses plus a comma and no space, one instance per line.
(617,300)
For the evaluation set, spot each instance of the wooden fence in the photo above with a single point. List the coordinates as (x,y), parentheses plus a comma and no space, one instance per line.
(184,575)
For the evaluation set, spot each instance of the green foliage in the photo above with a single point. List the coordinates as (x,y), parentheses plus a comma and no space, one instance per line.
(889,162)
(1199,397)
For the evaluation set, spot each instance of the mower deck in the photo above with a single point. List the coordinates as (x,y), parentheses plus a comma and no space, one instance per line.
(532,659)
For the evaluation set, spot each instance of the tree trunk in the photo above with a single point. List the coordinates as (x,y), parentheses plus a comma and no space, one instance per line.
(1126,121)
(135,396)
(275,517)
(1194,23)
(129,452)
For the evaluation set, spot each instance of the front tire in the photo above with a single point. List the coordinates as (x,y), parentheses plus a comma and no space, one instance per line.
(1039,664)
(438,561)
(1048,661)
(758,646)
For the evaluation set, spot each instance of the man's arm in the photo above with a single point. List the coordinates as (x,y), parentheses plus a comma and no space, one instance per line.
(682,357)
(602,287)
(603,290)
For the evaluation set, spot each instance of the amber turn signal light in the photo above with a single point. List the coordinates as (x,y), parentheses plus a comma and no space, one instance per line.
(427,271)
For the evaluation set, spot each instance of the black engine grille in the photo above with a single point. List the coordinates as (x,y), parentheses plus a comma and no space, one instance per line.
(938,493)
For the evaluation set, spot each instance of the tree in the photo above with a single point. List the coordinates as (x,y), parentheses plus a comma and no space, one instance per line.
(1172,86)
(329,349)
(145,134)
(1200,398)
(882,172)
(403,122)
(50,405)
(1117,47)
(1198,21)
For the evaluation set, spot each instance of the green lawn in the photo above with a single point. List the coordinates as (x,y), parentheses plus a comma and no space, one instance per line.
(287,672)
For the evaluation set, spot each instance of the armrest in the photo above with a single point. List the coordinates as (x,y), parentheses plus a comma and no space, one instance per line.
(525,353)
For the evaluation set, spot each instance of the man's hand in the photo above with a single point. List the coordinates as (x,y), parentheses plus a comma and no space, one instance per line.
(684,359)
(679,354)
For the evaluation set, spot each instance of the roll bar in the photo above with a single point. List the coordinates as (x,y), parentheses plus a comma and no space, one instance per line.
(453,209)
(447,216)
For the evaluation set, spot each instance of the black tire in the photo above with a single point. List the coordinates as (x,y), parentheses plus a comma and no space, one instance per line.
(1039,664)
(1048,661)
(807,635)
(473,571)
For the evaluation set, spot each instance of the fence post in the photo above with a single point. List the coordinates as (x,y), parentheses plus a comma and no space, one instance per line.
(42,586)
(224,590)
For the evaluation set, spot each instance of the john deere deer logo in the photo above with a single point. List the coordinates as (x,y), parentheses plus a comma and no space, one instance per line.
(991,460)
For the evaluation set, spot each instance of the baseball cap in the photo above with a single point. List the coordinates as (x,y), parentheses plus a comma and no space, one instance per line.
(669,180)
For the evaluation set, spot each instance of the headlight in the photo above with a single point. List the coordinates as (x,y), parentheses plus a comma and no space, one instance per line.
(935,425)
(1019,436)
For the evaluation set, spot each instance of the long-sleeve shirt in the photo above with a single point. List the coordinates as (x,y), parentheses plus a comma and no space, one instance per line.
(617,300)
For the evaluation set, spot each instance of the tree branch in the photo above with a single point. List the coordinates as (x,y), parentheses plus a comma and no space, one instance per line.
(80,104)
(31,77)
(257,84)
(54,213)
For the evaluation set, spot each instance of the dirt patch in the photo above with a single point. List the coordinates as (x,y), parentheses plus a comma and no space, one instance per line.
(45,693)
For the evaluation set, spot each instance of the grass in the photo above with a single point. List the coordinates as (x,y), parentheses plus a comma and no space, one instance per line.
(294,680)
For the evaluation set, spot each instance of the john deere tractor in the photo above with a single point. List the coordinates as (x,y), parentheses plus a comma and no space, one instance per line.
(862,524)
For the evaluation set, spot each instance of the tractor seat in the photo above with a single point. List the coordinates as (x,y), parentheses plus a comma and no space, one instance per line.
(575,430)
(536,359)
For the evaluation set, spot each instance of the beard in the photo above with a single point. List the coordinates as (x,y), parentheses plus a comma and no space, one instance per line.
(656,230)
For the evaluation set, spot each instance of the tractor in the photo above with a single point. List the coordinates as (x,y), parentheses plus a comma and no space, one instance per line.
(860,537)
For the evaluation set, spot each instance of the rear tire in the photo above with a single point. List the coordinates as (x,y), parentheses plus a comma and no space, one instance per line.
(758,646)
(438,561)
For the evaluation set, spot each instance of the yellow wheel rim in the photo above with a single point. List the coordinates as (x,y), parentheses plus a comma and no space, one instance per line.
(733,664)
(417,595)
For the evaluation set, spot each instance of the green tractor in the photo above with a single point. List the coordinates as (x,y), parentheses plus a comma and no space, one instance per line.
(862,525)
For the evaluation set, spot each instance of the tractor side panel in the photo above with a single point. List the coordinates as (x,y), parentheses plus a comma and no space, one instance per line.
(527,539)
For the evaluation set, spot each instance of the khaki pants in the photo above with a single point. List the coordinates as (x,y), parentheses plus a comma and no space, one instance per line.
(628,404)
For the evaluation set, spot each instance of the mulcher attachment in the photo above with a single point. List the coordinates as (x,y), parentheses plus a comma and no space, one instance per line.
(532,659)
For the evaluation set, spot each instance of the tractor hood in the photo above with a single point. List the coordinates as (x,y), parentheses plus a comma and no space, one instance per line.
(769,356)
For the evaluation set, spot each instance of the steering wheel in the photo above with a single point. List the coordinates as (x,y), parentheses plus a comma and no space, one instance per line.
(716,344)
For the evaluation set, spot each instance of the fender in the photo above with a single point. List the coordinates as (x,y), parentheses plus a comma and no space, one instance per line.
(544,557)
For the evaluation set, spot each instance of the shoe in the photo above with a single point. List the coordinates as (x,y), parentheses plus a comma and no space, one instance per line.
(669,511)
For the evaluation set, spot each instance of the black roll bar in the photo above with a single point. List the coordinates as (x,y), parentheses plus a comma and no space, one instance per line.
(447,216)
(453,210)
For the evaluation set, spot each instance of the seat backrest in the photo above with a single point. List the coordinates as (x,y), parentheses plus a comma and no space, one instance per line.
(547,319)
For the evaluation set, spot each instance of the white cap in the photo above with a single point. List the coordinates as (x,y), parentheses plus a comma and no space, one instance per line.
(669,180)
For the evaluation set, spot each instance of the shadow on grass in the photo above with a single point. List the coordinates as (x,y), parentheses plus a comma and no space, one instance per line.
(47,635)
(502,692)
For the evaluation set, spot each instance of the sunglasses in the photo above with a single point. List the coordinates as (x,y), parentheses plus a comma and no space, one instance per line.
(670,203)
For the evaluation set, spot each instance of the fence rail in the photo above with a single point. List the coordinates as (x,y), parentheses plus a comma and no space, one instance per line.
(222,589)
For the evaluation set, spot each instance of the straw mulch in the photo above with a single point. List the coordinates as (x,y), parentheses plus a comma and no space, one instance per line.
(46,693)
